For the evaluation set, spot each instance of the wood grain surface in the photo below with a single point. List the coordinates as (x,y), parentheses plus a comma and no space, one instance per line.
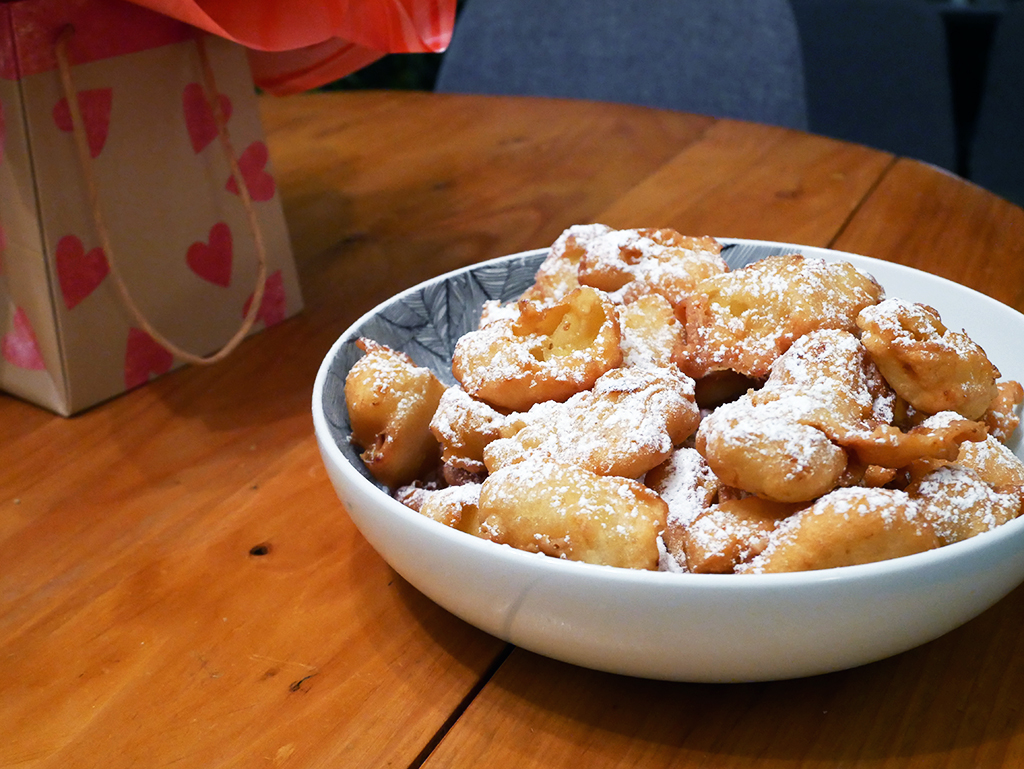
(181,587)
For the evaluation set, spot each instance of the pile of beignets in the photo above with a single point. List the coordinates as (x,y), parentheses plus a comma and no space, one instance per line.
(644,406)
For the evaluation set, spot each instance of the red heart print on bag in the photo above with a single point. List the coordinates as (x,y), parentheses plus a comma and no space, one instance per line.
(3,139)
(143,357)
(95,106)
(212,261)
(199,119)
(273,307)
(252,164)
(79,272)
(20,347)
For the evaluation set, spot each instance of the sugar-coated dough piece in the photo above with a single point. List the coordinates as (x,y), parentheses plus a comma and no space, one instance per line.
(390,403)
(820,420)
(464,426)
(566,511)
(627,424)
(557,275)
(832,384)
(960,504)
(689,488)
(939,437)
(630,264)
(727,534)
(686,483)
(745,319)
(993,462)
(454,506)
(1003,415)
(651,334)
(783,442)
(933,368)
(876,476)
(414,494)
(846,527)
(546,352)
(762,450)
(493,310)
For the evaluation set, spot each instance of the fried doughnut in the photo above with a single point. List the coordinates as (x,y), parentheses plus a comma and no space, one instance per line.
(726,535)
(933,368)
(493,310)
(839,387)
(546,352)
(557,275)
(688,487)
(686,483)
(464,426)
(876,476)
(822,417)
(960,504)
(993,462)
(414,494)
(1003,415)
(743,320)
(390,403)
(846,527)
(651,335)
(566,511)
(766,452)
(635,263)
(627,424)
(454,506)
(938,437)
(784,441)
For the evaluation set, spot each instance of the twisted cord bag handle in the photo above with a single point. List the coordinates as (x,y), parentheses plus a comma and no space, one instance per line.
(210,92)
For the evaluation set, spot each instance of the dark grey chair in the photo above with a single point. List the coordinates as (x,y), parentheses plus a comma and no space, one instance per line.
(727,58)
(997,154)
(877,73)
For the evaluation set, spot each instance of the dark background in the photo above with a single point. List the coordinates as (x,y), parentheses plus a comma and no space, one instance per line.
(970,25)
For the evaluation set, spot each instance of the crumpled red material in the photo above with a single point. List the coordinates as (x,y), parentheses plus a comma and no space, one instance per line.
(295,46)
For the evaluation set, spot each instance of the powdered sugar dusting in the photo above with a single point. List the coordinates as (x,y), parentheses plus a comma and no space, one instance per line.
(627,414)
(687,486)
(961,504)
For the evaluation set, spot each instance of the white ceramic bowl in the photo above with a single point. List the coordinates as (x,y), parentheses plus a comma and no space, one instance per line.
(686,627)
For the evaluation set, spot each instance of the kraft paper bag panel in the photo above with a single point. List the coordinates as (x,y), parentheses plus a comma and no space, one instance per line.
(176,222)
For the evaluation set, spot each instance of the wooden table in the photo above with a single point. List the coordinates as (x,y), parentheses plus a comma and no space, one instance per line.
(179,585)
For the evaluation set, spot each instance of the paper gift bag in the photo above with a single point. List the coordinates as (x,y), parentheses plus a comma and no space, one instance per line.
(140,223)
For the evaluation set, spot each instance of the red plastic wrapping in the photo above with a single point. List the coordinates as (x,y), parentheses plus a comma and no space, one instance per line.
(297,46)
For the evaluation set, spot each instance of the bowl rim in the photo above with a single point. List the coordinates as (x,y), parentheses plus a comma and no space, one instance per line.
(930,560)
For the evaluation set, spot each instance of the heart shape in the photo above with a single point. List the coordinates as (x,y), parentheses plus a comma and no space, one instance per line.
(79,272)
(199,119)
(252,164)
(212,261)
(95,105)
(144,357)
(274,305)
(19,346)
